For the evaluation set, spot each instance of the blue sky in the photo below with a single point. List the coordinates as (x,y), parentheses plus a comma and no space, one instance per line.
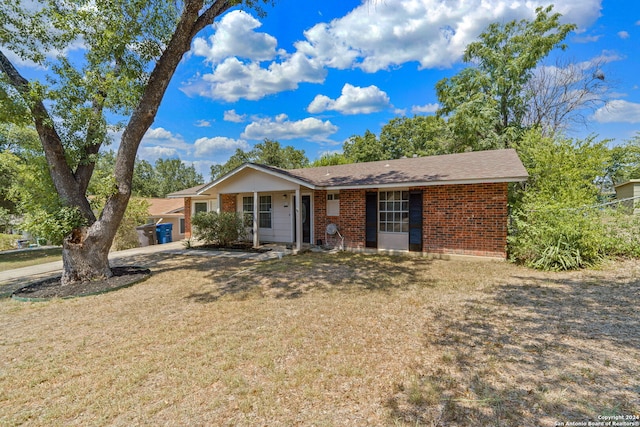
(312,73)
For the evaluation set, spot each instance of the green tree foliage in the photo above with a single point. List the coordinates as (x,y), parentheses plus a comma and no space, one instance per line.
(625,161)
(366,148)
(417,135)
(137,213)
(555,225)
(269,153)
(330,159)
(173,175)
(486,103)
(126,54)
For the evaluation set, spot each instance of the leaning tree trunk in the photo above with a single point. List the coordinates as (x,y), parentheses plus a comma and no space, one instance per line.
(85,255)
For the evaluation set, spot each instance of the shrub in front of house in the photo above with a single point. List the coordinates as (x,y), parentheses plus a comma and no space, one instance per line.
(218,228)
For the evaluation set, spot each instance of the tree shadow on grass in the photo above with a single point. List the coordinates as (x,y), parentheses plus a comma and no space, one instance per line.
(295,276)
(532,352)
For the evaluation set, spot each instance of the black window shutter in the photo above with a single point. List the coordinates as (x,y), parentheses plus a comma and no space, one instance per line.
(371,219)
(415,221)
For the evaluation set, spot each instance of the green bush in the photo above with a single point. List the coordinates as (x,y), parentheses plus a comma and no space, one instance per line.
(136,214)
(8,241)
(218,228)
(558,239)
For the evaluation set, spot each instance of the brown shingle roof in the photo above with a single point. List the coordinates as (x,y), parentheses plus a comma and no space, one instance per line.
(160,207)
(187,191)
(478,166)
(472,167)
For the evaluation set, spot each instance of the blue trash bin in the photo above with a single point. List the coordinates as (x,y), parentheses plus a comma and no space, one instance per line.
(163,233)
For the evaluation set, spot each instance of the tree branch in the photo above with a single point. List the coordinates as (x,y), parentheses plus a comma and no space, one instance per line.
(61,173)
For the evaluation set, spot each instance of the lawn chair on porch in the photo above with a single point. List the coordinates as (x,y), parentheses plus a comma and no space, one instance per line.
(332,230)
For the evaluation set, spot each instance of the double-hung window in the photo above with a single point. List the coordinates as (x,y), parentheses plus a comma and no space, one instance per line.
(247,210)
(200,207)
(265,212)
(394,211)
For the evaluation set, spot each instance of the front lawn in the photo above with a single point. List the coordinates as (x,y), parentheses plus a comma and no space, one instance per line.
(28,257)
(328,339)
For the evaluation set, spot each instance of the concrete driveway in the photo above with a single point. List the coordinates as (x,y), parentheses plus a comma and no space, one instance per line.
(12,280)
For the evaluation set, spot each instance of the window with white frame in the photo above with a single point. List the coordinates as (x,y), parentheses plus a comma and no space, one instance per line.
(265,212)
(247,210)
(181,225)
(333,204)
(394,211)
(199,207)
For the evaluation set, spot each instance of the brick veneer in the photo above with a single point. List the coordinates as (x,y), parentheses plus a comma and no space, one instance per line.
(228,202)
(187,217)
(466,219)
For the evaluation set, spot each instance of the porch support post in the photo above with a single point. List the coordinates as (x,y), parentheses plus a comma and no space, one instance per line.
(256,208)
(298,214)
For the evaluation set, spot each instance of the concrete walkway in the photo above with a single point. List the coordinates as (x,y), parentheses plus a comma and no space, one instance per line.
(11,280)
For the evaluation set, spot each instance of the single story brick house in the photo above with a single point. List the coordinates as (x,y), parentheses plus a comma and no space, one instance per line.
(452,204)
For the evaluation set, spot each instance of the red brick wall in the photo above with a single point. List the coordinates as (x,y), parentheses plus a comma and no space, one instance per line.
(467,219)
(187,217)
(228,202)
(351,219)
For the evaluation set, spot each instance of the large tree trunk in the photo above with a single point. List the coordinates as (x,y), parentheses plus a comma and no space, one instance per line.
(85,255)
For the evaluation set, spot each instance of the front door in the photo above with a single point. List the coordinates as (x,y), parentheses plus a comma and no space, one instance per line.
(305,214)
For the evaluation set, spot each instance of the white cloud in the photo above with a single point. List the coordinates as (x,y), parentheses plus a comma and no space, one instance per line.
(374,36)
(434,33)
(427,108)
(282,128)
(587,39)
(232,79)
(164,138)
(234,36)
(618,111)
(208,146)
(232,116)
(152,153)
(354,100)
(623,35)
(203,123)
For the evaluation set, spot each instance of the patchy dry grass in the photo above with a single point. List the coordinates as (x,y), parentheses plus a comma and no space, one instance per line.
(27,258)
(328,339)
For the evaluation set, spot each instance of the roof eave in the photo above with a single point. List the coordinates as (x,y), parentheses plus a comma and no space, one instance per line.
(426,183)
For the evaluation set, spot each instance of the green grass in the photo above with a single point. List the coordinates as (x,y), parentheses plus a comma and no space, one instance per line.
(9,261)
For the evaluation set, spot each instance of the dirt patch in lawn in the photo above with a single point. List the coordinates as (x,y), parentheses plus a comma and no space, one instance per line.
(53,287)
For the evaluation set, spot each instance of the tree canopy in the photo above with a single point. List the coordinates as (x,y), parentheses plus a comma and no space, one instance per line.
(114,57)
(486,103)
(269,153)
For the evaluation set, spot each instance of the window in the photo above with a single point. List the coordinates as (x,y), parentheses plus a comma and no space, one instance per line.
(265,212)
(247,210)
(200,207)
(333,204)
(181,226)
(394,211)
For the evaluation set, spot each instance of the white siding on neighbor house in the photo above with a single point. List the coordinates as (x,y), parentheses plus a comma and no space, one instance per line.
(281,222)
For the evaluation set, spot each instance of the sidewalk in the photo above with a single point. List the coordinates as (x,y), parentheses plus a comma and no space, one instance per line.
(11,280)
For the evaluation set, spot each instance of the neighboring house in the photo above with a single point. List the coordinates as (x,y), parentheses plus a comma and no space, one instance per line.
(168,211)
(452,204)
(629,193)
